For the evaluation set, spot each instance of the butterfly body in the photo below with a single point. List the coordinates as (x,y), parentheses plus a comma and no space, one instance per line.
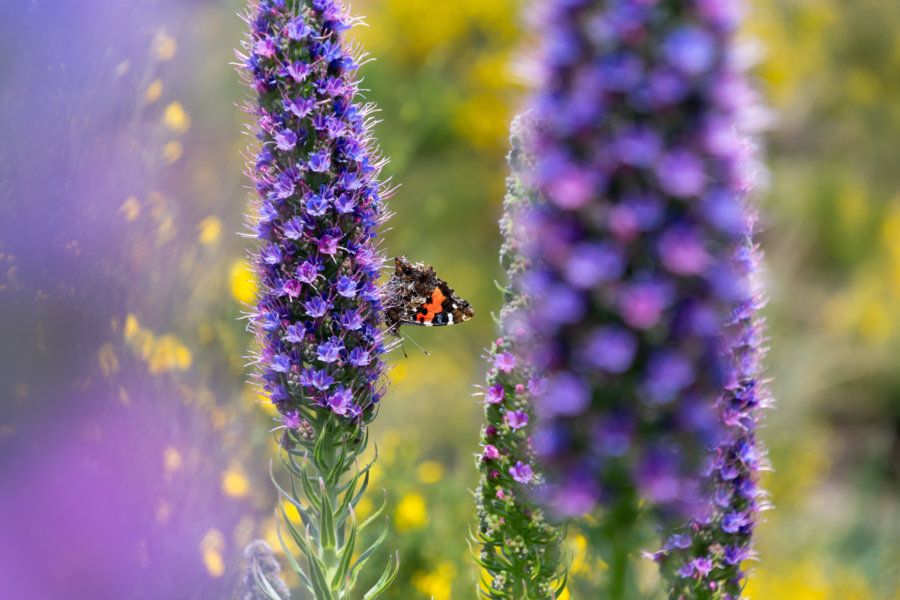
(416,296)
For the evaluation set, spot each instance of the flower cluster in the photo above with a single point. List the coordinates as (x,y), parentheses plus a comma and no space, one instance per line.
(520,550)
(640,246)
(319,206)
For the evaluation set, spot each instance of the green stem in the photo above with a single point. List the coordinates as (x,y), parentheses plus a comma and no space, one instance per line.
(617,540)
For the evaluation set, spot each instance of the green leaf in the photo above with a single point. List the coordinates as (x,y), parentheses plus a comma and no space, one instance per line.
(310,492)
(290,557)
(340,575)
(342,509)
(321,591)
(390,573)
(319,451)
(326,520)
(354,570)
(563,582)
(289,497)
(376,514)
(299,537)
(334,476)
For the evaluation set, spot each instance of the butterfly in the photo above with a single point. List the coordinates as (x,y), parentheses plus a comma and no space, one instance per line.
(415,296)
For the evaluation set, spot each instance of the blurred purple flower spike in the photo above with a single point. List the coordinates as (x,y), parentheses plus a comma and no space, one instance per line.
(651,347)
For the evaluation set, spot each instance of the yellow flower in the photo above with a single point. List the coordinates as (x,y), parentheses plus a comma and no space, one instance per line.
(234,482)
(212,546)
(176,118)
(437,584)
(430,471)
(243,283)
(411,513)
(209,229)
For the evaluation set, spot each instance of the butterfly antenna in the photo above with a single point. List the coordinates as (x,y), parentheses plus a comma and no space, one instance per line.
(416,344)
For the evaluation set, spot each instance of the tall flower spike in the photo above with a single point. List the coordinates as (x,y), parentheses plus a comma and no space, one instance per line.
(520,551)
(704,558)
(316,174)
(636,260)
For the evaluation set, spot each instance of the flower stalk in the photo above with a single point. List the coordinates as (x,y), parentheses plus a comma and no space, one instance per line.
(317,320)
(638,260)
(520,551)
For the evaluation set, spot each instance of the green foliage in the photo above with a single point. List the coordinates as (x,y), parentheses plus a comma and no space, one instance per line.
(328,530)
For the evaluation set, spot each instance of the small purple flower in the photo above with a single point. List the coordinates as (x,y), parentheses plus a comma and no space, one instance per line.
(340,400)
(328,244)
(352,320)
(298,30)
(592,264)
(330,351)
(300,107)
(495,394)
(345,204)
(281,363)
(567,394)
(667,374)
(735,555)
(641,305)
(638,147)
(516,419)
(294,333)
(292,287)
(308,271)
(293,229)
(491,452)
(291,420)
(690,49)
(683,252)
(733,521)
(266,47)
(285,140)
(316,307)
(681,174)
(346,287)
(359,357)
(320,161)
(284,187)
(321,380)
(271,255)
(506,362)
(702,566)
(316,205)
(677,540)
(521,472)
(610,348)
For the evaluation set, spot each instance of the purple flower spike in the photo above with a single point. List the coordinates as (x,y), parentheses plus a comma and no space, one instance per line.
(507,510)
(640,269)
(316,172)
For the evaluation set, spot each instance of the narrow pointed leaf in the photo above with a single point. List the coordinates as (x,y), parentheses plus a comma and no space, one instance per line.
(390,573)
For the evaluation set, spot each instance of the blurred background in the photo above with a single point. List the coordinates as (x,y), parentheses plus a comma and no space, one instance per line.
(133,455)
